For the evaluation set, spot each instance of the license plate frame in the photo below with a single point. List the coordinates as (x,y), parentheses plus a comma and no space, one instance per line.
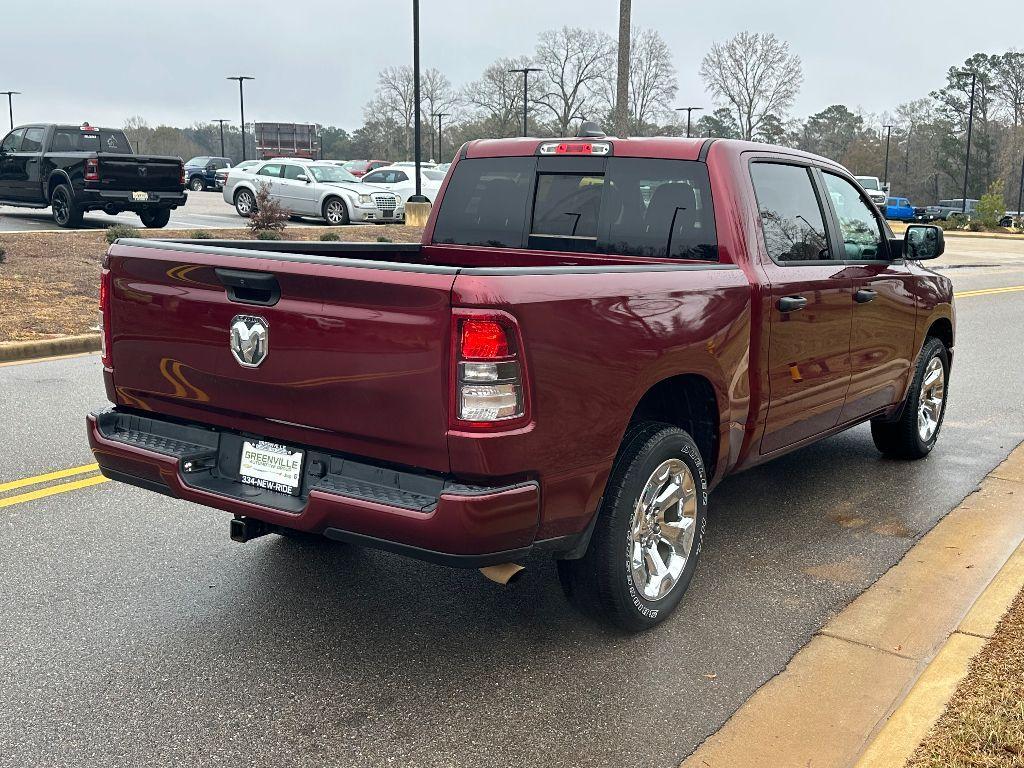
(140,197)
(271,466)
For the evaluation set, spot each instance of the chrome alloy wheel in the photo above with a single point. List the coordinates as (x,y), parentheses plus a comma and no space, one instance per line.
(929,406)
(662,530)
(335,211)
(245,203)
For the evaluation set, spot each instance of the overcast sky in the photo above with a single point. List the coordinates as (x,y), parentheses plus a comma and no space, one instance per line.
(317,60)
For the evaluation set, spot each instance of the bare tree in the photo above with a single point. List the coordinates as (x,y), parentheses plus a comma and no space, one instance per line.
(623,79)
(652,84)
(497,97)
(1009,85)
(574,62)
(756,75)
(393,102)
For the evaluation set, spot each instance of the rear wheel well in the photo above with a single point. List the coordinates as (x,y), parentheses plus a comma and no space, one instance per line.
(55,181)
(688,402)
(942,329)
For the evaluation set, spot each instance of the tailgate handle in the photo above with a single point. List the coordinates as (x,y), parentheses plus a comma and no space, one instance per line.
(247,287)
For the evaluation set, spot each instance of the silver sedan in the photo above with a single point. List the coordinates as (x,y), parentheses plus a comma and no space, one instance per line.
(316,189)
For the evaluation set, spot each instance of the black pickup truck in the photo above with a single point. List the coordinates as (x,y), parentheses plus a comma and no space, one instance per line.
(74,169)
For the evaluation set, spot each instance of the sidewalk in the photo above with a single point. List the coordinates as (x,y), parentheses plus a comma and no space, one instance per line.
(826,708)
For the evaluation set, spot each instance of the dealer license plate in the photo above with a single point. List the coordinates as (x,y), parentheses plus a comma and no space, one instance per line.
(271,466)
(140,197)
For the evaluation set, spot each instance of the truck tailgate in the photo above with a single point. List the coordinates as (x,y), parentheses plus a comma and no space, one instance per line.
(142,173)
(357,355)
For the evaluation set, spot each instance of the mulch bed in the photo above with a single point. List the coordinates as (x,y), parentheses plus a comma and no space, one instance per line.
(49,281)
(983,726)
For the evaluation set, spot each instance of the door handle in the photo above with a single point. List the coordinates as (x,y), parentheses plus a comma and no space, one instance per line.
(864,295)
(791,303)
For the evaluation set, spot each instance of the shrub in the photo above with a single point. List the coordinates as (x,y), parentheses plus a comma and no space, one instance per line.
(991,208)
(3,255)
(201,234)
(119,230)
(947,224)
(382,239)
(268,216)
(330,237)
(267,234)
(977,225)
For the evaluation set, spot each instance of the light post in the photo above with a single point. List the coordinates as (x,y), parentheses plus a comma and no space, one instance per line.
(526,94)
(885,174)
(689,111)
(222,121)
(241,101)
(417,150)
(970,127)
(439,115)
(10,104)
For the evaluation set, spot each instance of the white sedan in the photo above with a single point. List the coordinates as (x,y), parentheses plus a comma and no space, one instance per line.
(401,181)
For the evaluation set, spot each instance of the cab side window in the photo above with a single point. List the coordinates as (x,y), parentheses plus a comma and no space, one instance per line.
(12,141)
(858,224)
(791,215)
(33,141)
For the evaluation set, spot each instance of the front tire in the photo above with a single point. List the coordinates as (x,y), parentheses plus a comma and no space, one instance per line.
(335,211)
(196,185)
(155,219)
(245,203)
(915,433)
(649,531)
(66,213)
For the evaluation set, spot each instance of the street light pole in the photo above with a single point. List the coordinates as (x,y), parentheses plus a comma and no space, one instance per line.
(221,121)
(688,111)
(241,102)
(526,94)
(10,103)
(885,174)
(439,115)
(417,151)
(970,127)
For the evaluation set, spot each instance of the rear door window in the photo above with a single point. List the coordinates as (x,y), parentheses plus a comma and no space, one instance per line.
(270,169)
(659,209)
(791,214)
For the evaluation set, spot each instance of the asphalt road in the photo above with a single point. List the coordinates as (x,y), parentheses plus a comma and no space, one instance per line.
(203,210)
(135,633)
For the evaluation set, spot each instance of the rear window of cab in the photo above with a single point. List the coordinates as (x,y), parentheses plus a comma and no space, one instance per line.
(619,205)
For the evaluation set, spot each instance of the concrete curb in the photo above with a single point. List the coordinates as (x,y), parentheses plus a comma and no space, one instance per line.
(908,726)
(65,345)
(907,639)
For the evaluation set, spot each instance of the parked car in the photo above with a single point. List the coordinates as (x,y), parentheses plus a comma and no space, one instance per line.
(412,164)
(402,181)
(1009,217)
(316,189)
(75,169)
(898,209)
(877,192)
(360,168)
(947,209)
(222,173)
(566,364)
(201,172)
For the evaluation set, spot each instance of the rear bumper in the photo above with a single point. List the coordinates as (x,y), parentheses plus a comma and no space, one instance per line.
(98,199)
(424,516)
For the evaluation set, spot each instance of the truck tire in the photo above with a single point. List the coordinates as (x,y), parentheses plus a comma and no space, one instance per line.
(335,211)
(155,218)
(914,434)
(66,213)
(197,184)
(245,203)
(643,551)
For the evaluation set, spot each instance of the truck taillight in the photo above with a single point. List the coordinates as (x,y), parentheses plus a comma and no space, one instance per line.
(92,169)
(489,381)
(181,174)
(105,330)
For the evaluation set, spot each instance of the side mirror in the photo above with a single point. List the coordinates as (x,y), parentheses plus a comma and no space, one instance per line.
(302,177)
(923,241)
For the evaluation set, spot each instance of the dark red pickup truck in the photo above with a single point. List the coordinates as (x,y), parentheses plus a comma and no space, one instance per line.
(592,334)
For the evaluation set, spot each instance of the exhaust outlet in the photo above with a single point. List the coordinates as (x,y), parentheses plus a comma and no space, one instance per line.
(502,574)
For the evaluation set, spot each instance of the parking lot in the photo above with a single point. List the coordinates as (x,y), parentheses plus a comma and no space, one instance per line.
(137,633)
(204,210)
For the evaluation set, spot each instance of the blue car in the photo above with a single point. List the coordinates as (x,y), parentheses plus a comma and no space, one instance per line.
(898,209)
(201,172)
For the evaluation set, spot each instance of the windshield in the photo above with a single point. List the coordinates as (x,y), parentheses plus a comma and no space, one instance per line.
(198,161)
(357,165)
(434,175)
(868,182)
(330,173)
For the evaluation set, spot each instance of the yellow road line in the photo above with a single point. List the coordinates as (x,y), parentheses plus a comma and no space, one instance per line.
(59,474)
(52,491)
(986,291)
